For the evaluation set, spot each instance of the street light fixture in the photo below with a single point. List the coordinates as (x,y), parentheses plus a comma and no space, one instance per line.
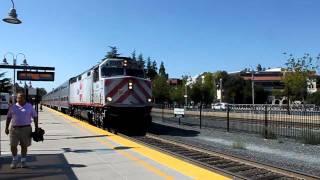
(4,62)
(24,62)
(12,16)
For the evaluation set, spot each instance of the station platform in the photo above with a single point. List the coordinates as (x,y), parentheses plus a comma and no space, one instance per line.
(73,149)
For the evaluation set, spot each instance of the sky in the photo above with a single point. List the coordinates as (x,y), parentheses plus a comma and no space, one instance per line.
(189,36)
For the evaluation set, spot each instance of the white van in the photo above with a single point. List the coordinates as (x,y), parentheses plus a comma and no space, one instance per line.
(4,102)
(219,106)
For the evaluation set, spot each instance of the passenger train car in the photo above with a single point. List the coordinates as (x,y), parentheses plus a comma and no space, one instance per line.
(114,93)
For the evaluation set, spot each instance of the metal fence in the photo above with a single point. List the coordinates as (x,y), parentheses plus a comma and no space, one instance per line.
(271,121)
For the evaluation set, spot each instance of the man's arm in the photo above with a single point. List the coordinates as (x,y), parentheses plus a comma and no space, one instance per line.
(7,125)
(8,122)
(9,117)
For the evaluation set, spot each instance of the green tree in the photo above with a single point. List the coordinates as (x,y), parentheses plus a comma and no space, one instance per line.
(162,71)
(148,68)
(297,72)
(160,89)
(177,94)
(209,87)
(196,94)
(133,55)
(259,67)
(5,83)
(295,85)
(151,70)
(237,90)
(141,60)
(42,91)
(314,98)
(204,90)
(220,75)
(113,53)
(277,93)
(154,66)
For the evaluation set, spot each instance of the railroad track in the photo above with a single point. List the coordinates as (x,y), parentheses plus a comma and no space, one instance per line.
(230,166)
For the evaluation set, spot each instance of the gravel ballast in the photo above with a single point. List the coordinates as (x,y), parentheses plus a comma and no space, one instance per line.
(282,152)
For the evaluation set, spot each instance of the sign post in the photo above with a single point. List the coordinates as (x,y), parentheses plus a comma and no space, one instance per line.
(179,113)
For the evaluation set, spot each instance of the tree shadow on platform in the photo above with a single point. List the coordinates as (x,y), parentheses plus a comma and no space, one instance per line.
(118,148)
(50,123)
(57,135)
(43,166)
(160,129)
(84,137)
(75,137)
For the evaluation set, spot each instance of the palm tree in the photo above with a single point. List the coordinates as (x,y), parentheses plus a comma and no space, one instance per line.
(5,83)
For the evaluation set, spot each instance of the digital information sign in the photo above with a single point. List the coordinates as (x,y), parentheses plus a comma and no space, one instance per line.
(35,76)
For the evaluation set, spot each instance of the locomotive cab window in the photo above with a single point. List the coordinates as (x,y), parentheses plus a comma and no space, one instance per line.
(111,71)
(96,75)
(135,72)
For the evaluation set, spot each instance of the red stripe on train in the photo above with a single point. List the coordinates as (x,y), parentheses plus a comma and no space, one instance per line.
(117,87)
(137,97)
(123,97)
(145,93)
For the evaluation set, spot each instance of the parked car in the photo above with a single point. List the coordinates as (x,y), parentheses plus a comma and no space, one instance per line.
(220,106)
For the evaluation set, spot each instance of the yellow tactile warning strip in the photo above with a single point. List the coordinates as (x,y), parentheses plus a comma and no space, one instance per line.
(182,167)
(146,165)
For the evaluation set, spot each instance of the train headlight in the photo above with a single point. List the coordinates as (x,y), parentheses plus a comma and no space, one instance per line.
(149,99)
(125,63)
(109,99)
(130,85)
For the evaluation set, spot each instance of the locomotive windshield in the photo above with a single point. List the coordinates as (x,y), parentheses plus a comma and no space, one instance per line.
(135,72)
(111,71)
(116,68)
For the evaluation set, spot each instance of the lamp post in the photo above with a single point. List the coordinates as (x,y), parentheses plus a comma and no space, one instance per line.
(220,85)
(188,80)
(186,95)
(12,16)
(202,88)
(5,62)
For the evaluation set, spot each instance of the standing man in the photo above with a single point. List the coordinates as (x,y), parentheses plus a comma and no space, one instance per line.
(20,115)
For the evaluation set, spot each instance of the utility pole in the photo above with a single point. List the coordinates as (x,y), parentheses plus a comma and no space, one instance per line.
(213,87)
(221,90)
(252,85)
(186,94)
